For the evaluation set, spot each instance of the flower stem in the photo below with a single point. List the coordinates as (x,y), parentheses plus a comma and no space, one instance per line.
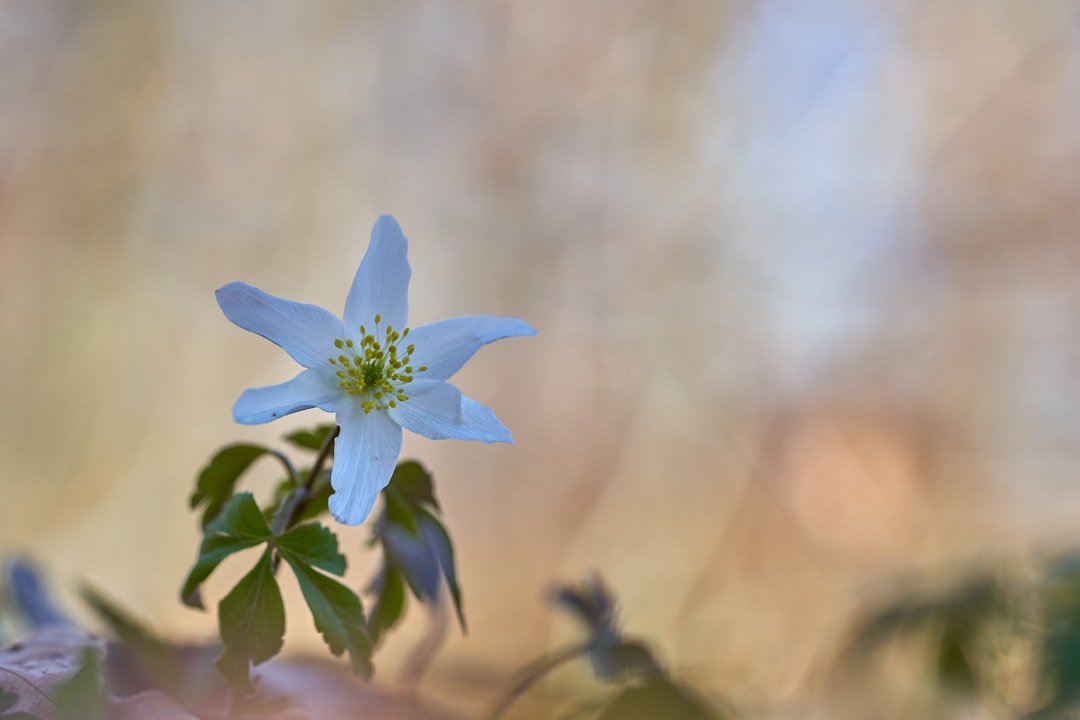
(295,502)
(534,673)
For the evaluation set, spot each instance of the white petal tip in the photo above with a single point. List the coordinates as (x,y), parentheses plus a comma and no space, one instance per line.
(348,513)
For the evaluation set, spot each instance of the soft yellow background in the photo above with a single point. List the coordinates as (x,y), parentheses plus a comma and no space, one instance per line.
(806,276)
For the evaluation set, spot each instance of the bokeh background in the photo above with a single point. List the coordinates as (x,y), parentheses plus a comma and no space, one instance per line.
(805,273)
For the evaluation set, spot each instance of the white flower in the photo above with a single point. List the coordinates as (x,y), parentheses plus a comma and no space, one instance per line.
(372,371)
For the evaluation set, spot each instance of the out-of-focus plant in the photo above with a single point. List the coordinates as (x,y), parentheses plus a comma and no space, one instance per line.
(1008,642)
(643,688)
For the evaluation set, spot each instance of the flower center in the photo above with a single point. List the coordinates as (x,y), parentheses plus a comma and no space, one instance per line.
(376,371)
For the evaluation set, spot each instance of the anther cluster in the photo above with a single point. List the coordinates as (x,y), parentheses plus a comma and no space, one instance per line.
(376,371)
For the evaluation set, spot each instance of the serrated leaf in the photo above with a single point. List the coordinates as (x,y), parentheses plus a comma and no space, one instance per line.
(413,483)
(438,540)
(338,615)
(218,479)
(390,603)
(252,622)
(313,544)
(311,439)
(240,525)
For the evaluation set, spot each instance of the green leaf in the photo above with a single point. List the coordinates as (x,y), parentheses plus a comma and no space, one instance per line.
(318,499)
(240,525)
(311,439)
(312,544)
(338,614)
(438,539)
(7,699)
(397,510)
(413,483)
(80,698)
(252,622)
(218,479)
(390,604)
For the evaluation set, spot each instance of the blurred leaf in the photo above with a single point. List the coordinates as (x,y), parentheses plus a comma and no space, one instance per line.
(7,701)
(390,603)
(160,661)
(240,525)
(414,484)
(312,544)
(1059,649)
(954,669)
(397,510)
(218,479)
(311,439)
(658,698)
(622,659)
(80,697)
(252,622)
(438,539)
(592,602)
(411,555)
(338,614)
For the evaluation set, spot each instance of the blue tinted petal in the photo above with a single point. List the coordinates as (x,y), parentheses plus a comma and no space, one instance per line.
(306,332)
(307,390)
(440,412)
(444,346)
(381,285)
(365,454)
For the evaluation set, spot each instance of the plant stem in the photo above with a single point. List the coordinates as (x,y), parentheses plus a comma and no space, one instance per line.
(534,672)
(295,502)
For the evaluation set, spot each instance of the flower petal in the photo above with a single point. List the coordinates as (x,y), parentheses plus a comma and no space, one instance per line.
(306,332)
(444,346)
(307,390)
(439,411)
(365,454)
(381,285)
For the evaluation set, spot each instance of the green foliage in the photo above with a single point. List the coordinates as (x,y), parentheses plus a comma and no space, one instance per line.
(218,479)
(954,623)
(313,545)
(310,439)
(239,526)
(252,617)
(417,553)
(338,614)
(613,657)
(1059,649)
(7,701)
(252,622)
(389,587)
(417,550)
(80,697)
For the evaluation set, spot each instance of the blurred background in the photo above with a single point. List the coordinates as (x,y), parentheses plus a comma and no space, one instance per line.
(806,277)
